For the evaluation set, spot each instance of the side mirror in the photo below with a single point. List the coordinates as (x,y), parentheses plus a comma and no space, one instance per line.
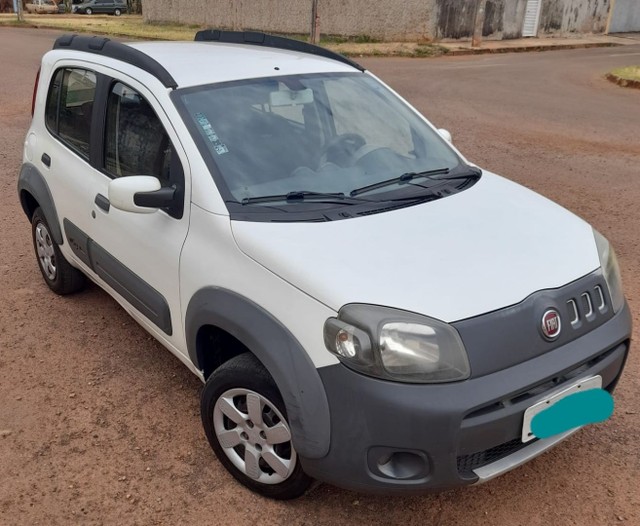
(446,135)
(141,194)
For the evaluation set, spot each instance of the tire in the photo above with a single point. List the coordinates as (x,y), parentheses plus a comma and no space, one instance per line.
(117,12)
(58,274)
(88,10)
(252,447)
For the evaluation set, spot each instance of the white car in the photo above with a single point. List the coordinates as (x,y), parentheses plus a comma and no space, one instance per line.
(364,306)
(41,7)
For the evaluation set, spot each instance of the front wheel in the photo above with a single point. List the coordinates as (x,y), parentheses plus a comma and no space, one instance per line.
(88,10)
(117,12)
(246,423)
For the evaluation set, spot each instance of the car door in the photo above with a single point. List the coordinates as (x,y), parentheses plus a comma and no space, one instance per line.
(135,256)
(63,155)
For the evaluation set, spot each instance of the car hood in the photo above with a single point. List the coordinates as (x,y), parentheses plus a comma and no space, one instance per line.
(476,251)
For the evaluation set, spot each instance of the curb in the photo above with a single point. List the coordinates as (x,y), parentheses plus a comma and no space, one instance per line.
(524,49)
(625,83)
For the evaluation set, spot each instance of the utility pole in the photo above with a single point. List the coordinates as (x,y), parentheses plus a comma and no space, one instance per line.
(478,23)
(314,37)
(18,5)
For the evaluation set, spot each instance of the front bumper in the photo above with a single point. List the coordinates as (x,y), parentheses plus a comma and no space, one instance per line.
(401,438)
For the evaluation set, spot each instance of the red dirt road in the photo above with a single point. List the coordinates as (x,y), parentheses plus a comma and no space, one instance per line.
(100,425)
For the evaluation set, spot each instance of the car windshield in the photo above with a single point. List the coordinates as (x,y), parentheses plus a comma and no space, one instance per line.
(315,134)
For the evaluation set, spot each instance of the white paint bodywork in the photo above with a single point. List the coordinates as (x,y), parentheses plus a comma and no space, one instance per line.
(480,250)
(198,63)
(148,244)
(211,257)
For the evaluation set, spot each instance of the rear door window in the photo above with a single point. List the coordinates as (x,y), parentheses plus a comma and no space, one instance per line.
(69,108)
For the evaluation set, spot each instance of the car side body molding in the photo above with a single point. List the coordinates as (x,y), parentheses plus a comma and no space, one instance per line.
(120,278)
(286,360)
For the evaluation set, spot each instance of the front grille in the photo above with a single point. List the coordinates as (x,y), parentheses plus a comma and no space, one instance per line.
(542,387)
(472,461)
(468,463)
(586,306)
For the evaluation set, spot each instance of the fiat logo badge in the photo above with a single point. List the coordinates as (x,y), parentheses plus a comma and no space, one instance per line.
(551,324)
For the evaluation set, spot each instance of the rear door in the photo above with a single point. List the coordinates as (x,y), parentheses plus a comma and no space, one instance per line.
(101,6)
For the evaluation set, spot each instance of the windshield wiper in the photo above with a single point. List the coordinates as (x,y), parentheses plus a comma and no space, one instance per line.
(409,176)
(303,195)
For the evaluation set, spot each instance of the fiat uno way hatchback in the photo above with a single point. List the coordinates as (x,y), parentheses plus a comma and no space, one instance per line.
(364,306)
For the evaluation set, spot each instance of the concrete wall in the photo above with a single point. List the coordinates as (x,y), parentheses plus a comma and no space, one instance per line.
(384,19)
(625,16)
(573,16)
(283,16)
(513,18)
(410,20)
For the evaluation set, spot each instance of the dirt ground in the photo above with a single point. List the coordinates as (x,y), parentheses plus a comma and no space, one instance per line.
(100,425)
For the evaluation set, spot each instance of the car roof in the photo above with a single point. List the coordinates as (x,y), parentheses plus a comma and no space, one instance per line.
(197,63)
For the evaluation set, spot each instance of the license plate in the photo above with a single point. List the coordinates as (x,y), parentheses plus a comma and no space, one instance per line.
(593,382)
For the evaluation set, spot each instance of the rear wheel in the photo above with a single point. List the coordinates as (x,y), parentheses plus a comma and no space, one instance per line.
(117,12)
(59,275)
(246,423)
(88,10)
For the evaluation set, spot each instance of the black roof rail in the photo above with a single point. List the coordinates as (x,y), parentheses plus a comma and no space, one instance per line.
(262,39)
(110,48)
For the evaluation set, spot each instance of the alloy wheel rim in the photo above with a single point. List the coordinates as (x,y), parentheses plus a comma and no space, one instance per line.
(254,435)
(46,253)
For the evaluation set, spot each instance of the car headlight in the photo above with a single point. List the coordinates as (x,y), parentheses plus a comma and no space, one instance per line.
(396,345)
(610,269)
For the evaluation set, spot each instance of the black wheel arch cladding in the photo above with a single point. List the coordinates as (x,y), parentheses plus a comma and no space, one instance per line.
(281,354)
(33,182)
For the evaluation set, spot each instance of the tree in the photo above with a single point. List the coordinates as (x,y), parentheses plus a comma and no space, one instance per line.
(135,6)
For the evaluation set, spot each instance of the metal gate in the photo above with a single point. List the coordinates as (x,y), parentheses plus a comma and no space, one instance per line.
(531,18)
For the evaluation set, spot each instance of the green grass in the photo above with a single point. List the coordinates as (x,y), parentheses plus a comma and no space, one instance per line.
(14,22)
(628,73)
(429,50)
(134,27)
(122,26)
(356,39)
(389,49)
(364,39)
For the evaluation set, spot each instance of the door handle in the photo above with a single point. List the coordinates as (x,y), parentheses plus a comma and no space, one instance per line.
(102,202)
(46,160)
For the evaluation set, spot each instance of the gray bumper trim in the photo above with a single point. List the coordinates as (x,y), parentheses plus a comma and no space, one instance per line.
(495,469)
(370,416)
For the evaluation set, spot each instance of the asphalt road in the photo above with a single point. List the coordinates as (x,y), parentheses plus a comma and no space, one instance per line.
(100,425)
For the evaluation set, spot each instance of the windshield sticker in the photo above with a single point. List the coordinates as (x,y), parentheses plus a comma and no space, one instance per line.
(211,134)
